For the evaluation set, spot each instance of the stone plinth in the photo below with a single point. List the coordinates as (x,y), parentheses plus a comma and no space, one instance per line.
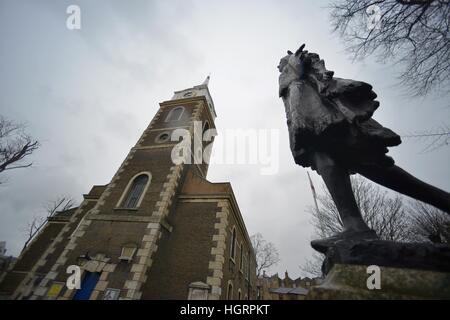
(349,282)
(418,256)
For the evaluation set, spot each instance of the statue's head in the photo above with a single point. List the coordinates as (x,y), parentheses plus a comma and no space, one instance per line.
(284,61)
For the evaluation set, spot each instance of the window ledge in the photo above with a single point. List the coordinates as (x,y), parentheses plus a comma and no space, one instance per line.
(126,259)
(126,209)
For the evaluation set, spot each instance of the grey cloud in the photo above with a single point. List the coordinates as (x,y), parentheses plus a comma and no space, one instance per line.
(88,95)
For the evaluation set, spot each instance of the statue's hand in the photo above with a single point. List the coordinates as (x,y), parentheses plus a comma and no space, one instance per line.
(303,55)
(299,50)
(328,75)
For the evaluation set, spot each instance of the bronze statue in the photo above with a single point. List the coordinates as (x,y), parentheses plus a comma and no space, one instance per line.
(332,131)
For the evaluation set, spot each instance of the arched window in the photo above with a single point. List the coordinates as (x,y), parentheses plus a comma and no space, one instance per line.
(239,294)
(175,114)
(230,291)
(205,127)
(241,259)
(135,191)
(233,244)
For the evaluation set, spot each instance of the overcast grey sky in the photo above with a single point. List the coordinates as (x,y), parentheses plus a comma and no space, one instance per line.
(88,94)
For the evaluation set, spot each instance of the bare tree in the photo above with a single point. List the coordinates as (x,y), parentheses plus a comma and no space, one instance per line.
(61,204)
(313,265)
(434,139)
(411,33)
(15,145)
(383,213)
(266,253)
(428,223)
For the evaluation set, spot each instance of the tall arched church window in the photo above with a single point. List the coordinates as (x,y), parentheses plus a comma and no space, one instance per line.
(175,114)
(233,244)
(241,258)
(230,291)
(134,192)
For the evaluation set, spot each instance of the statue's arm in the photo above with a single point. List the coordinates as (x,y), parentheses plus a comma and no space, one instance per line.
(316,72)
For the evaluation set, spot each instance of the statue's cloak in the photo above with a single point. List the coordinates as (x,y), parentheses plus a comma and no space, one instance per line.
(331,115)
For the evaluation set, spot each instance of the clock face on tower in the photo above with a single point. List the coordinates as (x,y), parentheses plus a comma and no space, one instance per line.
(189,94)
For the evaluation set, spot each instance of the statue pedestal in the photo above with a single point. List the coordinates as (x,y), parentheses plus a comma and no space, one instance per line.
(418,256)
(349,282)
(402,270)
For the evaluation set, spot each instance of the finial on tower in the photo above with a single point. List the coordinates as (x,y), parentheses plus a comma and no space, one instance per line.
(206,82)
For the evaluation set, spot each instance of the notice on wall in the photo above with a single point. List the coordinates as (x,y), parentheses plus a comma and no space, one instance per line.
(111,294)
(55,289)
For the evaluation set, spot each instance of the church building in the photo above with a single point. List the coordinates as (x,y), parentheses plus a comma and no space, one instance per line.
(158,230)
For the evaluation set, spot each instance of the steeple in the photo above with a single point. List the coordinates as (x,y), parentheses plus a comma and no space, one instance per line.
(199,90)
(206,82)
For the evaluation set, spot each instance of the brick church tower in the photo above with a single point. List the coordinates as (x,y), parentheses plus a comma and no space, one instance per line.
(158,230)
